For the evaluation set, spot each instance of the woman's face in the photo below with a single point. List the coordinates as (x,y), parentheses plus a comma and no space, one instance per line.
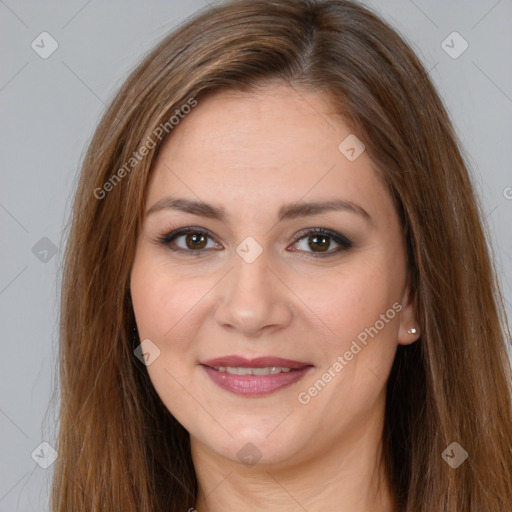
(269,341)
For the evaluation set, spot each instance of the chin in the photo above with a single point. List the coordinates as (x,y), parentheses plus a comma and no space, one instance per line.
(262,446)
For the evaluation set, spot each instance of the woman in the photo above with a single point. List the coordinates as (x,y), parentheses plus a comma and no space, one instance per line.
(277,289)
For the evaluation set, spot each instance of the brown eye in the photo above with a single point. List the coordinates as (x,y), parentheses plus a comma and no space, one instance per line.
(319,241)
(195,240)
(190,240)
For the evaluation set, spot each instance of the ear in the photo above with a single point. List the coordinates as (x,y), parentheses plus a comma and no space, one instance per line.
(409,330)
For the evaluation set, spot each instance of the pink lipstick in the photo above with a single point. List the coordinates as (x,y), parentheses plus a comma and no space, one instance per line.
(254,377)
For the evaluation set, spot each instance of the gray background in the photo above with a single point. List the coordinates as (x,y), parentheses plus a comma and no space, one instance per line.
(49,109)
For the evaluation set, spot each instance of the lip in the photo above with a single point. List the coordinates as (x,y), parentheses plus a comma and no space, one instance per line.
(258,362)
(255,385)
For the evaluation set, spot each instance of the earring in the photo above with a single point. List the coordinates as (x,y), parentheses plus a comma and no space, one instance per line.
(412,331)
(135,337)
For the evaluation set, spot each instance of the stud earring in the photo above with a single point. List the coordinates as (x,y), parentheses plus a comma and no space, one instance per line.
(135,337)
(412,331)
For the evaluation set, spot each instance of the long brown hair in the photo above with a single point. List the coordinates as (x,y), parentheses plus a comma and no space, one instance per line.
(119,447)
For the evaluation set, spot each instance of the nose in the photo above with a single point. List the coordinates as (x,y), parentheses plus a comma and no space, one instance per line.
(254,298)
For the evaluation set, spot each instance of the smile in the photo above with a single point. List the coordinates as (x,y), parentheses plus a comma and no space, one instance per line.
(254,378)
(269,370)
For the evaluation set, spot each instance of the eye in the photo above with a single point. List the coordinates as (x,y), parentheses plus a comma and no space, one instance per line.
(188,240)
(319,240)
(195,241)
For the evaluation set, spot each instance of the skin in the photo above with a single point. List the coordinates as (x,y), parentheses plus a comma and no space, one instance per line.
(251,153)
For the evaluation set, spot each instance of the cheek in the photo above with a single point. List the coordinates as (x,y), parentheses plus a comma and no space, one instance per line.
(163,304)
(361,308)
(160,297)
(350,299)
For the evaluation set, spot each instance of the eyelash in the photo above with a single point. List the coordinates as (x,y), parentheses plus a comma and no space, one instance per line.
(342,241)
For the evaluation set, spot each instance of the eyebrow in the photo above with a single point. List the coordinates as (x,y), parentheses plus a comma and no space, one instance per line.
(290,211)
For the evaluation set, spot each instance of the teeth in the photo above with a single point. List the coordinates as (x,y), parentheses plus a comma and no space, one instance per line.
(263,371)
(270,370)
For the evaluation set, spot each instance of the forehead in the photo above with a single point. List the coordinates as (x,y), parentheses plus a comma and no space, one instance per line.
(259,129)
(277,144)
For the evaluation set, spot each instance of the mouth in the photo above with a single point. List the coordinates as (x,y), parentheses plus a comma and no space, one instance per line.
(254,377)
